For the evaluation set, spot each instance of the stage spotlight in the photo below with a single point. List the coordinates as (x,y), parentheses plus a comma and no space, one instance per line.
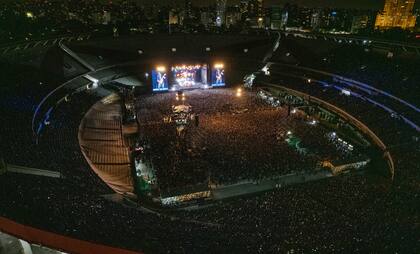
(161,68)
(219,66)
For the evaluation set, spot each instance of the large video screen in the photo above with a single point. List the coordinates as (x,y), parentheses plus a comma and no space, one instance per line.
(189,76)
(160,80)
(218,75)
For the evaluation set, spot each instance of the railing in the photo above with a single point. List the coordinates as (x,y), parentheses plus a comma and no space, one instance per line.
(19,46)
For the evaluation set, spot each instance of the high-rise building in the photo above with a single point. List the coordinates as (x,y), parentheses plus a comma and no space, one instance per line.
(396,13)
(220,12)
(316,20)
(233,16)
(276,17)
(284,18)
(187,16)
(188,8)
(260,8)
(173,17)
(417,14)
(260,13)
(255,8)
(243,6)
(205,19)
(359,23)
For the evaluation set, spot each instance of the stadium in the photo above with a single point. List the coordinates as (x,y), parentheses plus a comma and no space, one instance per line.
(265,143)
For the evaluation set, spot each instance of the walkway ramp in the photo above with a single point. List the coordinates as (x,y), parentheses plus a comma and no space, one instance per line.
(101,142)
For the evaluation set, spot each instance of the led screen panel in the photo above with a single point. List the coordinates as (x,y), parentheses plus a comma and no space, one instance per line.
(187,76)
(218,76)
(160,81)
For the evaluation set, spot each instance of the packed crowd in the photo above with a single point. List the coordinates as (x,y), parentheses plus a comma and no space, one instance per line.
(334,215)
(237,138)
(358,213)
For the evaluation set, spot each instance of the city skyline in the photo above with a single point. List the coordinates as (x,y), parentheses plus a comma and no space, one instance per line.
(354,4)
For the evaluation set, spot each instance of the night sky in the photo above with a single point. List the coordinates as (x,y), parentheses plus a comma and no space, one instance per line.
(357,4)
